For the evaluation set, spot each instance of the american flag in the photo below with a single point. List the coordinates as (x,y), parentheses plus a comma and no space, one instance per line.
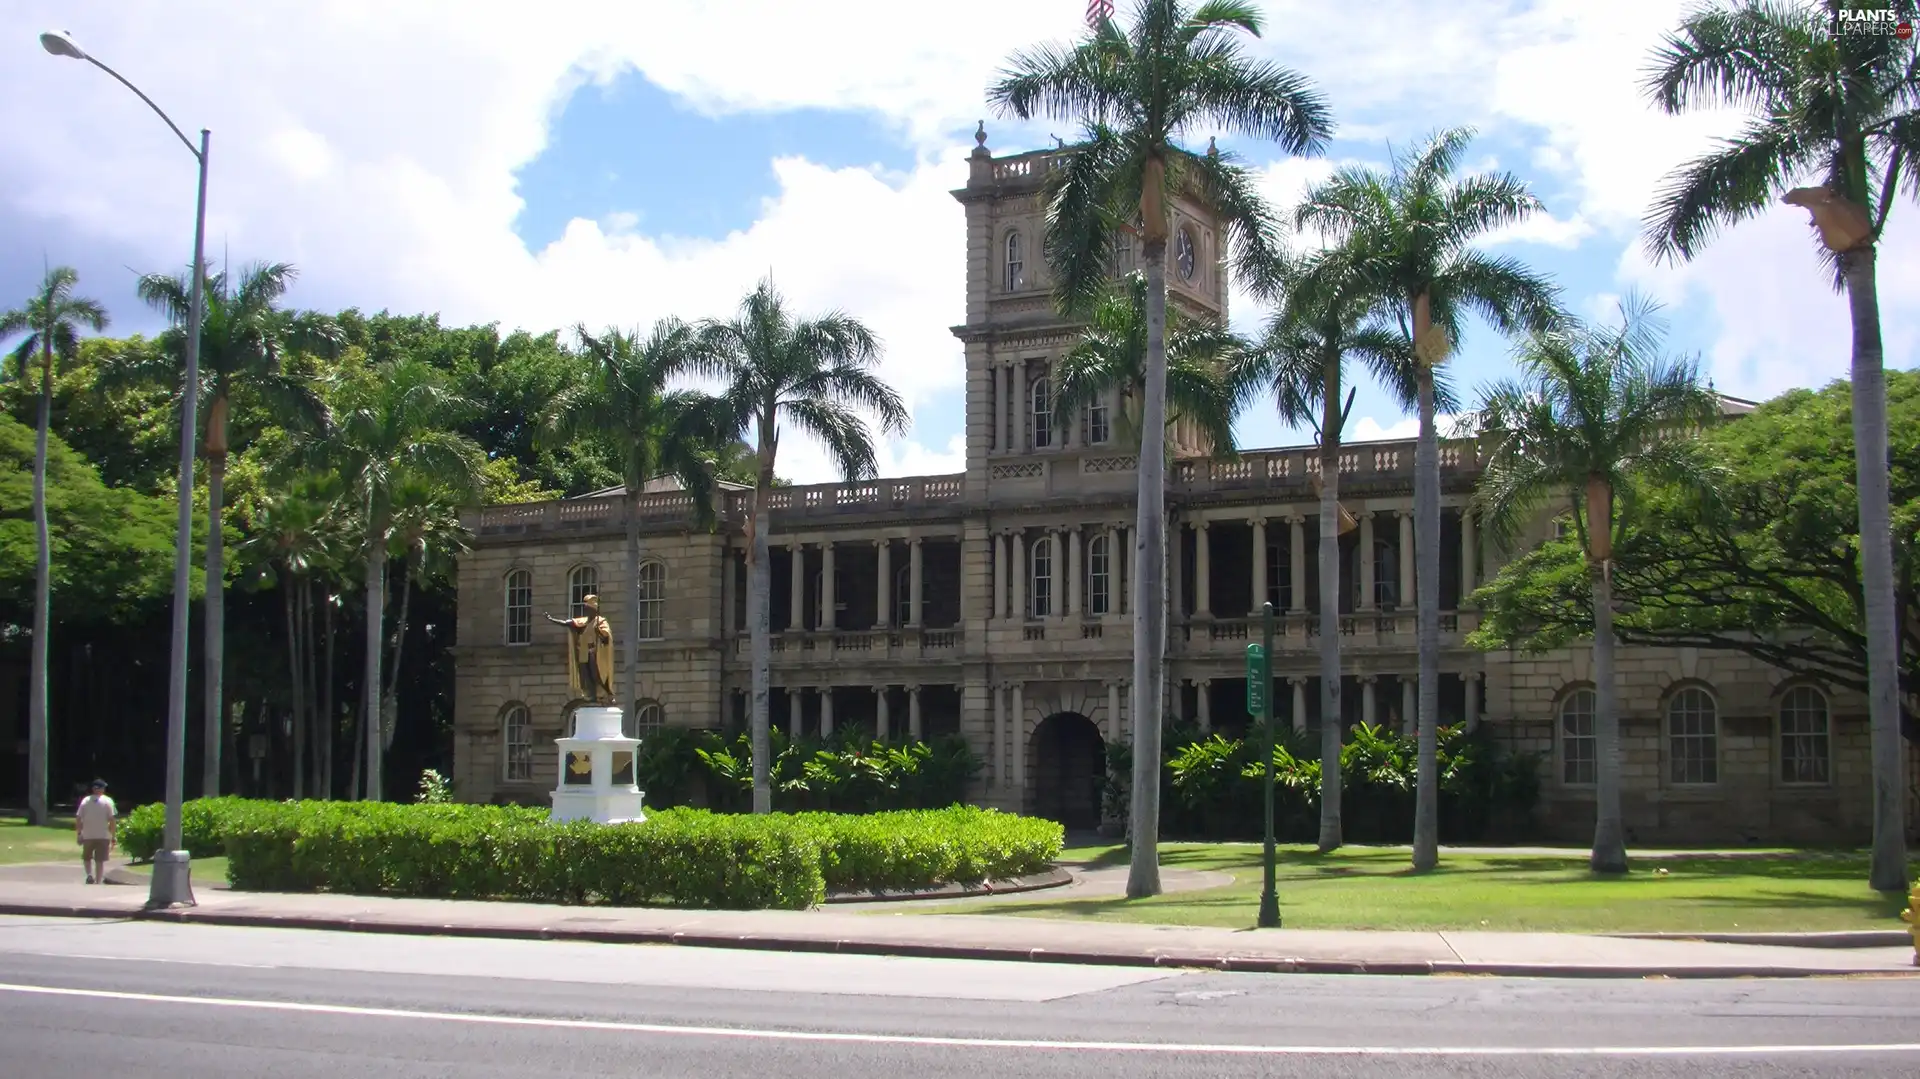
(1098,11)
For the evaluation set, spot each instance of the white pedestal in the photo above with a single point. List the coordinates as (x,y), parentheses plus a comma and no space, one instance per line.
(596,771)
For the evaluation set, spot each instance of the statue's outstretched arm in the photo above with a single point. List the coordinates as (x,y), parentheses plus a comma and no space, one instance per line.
(557,621)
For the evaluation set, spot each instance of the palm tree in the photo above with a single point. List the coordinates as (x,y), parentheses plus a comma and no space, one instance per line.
(818,375)
(1328,316)
(52,321)
(1594,412)
(390,422)
(244,341)
(1178,70)
(624,400)
(1410,234)
(425,534)
(1840,107)
(1111,359)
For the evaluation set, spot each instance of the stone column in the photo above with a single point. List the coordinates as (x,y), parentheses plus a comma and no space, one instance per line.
(1020,743)
(1297,564)
(1019,570)
(1259,525)
(1001,377)
(1202,571)
(1122,569)
(797,622)
(1074,576)
(915,576)
(1369,700)
(1409,704)
(1299,704)
(1126,714)
(826,711)
(1114,727)
(882,717)
(1203,699)
(1467,561)
(1022,404)
(1405,598)
(1001,546)
(1473,699)
(1363,554)
(796,708)
(999,760)
(829,620)
(913,712)
(883,606)
(1176,580)
(727,586)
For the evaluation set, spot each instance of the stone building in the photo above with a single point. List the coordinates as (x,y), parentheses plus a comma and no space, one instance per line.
(995,602)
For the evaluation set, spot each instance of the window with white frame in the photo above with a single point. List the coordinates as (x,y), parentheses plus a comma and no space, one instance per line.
(653,601)
(1099,422)
(1579,748)
(1042,413)
(582,582)
(1693,737)
(647,718)
(1279,576)
(1099,575)
(1805,742)
(903,596)
(1016,262)
(518,617)
(517,743)
(1040,596)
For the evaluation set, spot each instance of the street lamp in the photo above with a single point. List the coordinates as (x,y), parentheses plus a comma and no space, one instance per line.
(172,876)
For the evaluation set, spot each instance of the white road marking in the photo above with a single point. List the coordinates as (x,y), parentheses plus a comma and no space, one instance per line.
(149,959)
(972,1043)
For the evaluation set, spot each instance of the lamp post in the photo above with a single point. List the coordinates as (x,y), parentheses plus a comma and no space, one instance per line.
(1260,705)
(172,877)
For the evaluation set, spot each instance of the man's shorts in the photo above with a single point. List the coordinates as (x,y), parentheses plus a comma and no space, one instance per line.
(95,850)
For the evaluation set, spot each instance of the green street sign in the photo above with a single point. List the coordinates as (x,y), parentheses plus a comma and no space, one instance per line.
(1256,680)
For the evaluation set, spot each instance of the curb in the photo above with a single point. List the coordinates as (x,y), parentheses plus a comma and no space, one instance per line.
(1854,938)
(1161,961)
(1054,877)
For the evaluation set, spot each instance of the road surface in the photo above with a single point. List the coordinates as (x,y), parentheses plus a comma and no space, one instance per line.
(101,998)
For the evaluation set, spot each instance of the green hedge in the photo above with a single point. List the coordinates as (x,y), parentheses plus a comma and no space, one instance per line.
(679,857)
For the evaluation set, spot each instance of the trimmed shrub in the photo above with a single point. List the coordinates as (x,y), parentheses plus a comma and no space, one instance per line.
(204,824)
(679,857)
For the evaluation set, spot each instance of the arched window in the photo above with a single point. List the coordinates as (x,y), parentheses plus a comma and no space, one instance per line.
(1805,745)
(1099,425)
(518,616)
(1042,413)
(516,740)
(652,623)
(1579,749)
(903,596)
(1693,737)
(1042,591)
(647,717)
(1099,576)
(1016,262)
(582,582)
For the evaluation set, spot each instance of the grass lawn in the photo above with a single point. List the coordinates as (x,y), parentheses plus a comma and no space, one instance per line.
(1360,888)
(20,842)
(205,870)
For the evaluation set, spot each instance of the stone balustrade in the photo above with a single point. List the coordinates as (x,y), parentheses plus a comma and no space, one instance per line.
(674,507)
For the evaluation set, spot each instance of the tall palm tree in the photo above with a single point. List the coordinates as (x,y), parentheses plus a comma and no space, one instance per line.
(389,423)
(1842,108)
(1111,359)
(624,400)
(52,321)
(244,342)
(1595,411)
(1410,233)
(1177,71)
(425,536)
(816,374)
(1329,316)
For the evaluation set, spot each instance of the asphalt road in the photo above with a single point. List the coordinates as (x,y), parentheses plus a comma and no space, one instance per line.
(101,998)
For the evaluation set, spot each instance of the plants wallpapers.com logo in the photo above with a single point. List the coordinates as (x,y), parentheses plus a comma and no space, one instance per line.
(1880,22)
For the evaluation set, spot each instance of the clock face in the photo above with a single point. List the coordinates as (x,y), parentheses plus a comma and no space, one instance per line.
(1183,254)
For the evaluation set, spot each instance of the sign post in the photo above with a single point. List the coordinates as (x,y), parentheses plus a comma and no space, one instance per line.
(1260,704)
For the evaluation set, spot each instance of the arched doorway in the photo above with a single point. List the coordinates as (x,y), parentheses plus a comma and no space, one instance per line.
(1069,768)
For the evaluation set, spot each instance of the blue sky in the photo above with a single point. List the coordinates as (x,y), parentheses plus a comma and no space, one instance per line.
(585,161)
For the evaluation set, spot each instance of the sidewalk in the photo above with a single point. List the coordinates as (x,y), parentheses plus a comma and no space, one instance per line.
(956,936)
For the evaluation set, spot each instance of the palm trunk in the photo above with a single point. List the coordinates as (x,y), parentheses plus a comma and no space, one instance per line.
(630,644)
(1609,833)
(1888,872)
(290,597)
(390,698)
(216,614)
(376,587)
(759,611)
(329,719)
(42,598)
(1150,560)
(1330,720)
(1426,548)
(310,719)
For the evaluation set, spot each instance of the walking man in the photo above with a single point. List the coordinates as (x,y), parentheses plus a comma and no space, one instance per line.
(93,825)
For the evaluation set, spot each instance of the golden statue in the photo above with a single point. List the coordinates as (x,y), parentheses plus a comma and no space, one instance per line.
(589,654)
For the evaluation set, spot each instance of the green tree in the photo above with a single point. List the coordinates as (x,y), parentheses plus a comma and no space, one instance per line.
(624,399)
(1329,315)
(817,375)
(426,536)
(1410,233)
(52,321)
(244,344)
(1596,411)
(1839,106)
(1134,93)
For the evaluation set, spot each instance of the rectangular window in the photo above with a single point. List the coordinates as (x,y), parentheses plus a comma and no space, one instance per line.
(1099,429)
(1042,414)
(519,745)
(1099,576)
(1279,577)
(1042,578)
(1805,752)
(653,601)
(1693,738)
(519,614)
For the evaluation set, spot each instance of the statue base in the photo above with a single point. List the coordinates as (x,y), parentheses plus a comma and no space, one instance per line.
(597,771)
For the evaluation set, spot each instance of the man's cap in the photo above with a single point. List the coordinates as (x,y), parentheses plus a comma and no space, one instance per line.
(97,785)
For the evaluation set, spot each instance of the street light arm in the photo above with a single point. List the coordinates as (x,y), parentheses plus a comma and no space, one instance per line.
(188,143)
